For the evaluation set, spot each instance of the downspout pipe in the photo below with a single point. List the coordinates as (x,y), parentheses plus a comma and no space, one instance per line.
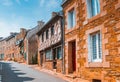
(63,38)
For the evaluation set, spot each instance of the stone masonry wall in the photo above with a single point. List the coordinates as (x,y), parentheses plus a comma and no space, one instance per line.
(108,23)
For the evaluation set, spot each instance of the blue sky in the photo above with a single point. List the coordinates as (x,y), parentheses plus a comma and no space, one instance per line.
(16,14)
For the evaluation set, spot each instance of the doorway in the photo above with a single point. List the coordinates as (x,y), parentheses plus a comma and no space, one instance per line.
(41,59)
(54,59)
(72,57)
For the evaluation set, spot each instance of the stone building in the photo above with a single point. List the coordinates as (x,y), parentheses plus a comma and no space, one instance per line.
(2,48)
(29,46)
(92,39)
(50,44)
(19,38)
(10,47)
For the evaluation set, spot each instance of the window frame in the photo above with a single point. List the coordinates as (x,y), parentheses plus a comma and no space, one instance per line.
(71,19)
(93,8)
(98,47)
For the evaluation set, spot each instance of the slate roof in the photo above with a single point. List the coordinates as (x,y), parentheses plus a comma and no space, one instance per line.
(33,31)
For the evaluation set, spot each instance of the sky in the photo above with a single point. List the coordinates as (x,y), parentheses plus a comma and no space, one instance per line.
(16,14)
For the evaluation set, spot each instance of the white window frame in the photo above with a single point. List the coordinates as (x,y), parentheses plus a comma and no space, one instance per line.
(71,18)
(93,8)
(98,49)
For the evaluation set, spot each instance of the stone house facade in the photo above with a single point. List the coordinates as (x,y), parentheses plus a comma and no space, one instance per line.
(50,44)
(10,47)
(2,48)
(92,38)
(30,44)
(19,38)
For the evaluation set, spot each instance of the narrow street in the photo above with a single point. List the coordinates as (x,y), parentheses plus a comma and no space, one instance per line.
(15,72)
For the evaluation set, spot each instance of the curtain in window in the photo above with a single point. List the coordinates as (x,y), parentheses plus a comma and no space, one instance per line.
(95,7)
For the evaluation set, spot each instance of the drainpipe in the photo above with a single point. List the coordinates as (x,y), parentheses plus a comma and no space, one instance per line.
(62,34)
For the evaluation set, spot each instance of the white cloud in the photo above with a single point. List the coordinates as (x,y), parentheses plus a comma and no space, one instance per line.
(18,2)
(49,3)
(42,2)
(52,3)
(6,2)
(13,24)
(6,28)
(10,2)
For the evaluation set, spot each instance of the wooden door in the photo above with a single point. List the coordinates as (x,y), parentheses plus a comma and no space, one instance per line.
(74,56)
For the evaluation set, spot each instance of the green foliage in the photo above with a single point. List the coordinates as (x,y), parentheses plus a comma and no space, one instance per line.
(34,59)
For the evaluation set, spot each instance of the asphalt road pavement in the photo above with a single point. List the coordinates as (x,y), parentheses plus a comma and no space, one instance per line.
(15,72)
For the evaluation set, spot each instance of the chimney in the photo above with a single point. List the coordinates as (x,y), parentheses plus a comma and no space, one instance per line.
(54,14)
(22,30)
(40,23)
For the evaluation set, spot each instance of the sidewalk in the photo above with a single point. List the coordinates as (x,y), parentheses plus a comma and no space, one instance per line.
(60,75)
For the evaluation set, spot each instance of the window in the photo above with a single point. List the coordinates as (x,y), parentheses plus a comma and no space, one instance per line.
(47,35)
(93,7)
(71,18)
(49,55)
(95,47)
(52,30)
(59,53)
(43,37)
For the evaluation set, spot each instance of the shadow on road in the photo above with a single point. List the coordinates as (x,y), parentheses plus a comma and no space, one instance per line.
(11,74)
